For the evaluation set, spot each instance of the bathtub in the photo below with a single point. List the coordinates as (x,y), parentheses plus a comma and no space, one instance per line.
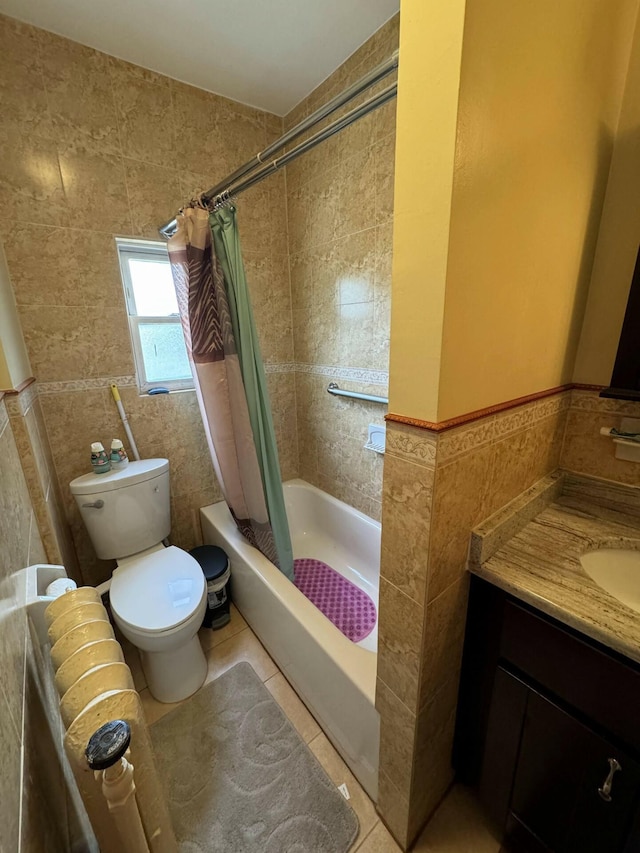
(335,677)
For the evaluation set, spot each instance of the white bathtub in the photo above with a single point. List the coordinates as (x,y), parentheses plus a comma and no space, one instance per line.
(335,677)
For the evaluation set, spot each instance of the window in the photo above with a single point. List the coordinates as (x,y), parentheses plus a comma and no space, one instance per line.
(154,322)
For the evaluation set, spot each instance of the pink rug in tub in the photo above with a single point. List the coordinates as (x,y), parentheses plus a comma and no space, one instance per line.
(346,605)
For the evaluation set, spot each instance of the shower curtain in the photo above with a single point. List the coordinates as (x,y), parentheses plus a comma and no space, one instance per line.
(220,334)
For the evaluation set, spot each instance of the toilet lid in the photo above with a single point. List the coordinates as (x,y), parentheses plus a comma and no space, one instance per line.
(158,591)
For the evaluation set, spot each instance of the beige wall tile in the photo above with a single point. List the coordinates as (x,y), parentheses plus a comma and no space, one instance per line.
(585,451)
(66,344)
(79,94)
(399,643)
(512,468)
(127,147)
(126,70)
(22,91)
(95,189)
(145,117)
(73,268)
(433,773)
(406,521)
(477,468)
(384,161)
(15,507)
(11,744)
(443,638)
(19,543)
(341,276)
(393,809)
(397,738)
(154,191)
(31,188)
(199,146)
(357,192)
(461,499)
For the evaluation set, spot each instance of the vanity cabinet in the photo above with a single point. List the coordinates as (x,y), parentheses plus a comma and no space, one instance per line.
(548,730)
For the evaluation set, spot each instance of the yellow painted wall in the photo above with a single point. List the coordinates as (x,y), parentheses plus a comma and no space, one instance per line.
(617,242)
(14,361)
(540,97)
(428,81)
(541,86)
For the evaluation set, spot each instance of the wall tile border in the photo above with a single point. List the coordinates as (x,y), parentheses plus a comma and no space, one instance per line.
(349,374)
(284,367)
(589,400)
(19,402)
(411,444)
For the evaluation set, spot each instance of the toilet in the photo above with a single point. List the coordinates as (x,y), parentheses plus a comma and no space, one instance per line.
(158,593)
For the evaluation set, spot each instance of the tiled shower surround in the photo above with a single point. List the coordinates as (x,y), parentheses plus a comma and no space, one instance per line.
(340,214)
(98,148)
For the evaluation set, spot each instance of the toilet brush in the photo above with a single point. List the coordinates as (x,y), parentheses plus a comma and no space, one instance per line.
(125,420)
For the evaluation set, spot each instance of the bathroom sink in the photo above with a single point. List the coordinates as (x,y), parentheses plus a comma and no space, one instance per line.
(617,571)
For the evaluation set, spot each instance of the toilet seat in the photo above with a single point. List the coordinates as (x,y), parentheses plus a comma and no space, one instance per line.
(158,591)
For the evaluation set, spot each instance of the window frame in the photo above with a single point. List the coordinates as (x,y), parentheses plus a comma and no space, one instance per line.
(144,250)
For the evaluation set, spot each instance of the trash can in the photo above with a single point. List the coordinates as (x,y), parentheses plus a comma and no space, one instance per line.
(215,567)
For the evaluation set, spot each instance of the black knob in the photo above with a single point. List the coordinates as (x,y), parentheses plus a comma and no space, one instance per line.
(107,746)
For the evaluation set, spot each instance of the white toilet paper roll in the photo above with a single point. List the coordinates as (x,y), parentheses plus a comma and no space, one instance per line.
(60,586)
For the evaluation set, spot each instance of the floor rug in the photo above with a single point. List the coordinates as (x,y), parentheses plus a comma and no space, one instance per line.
(240,779)
(346,605)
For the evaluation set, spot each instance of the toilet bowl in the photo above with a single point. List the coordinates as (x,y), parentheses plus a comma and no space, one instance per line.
(158,600)
(158,594)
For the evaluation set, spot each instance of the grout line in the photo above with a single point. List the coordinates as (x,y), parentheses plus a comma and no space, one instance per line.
(360,842)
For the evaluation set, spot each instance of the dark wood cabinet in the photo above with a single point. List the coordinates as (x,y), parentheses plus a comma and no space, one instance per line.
(548,730)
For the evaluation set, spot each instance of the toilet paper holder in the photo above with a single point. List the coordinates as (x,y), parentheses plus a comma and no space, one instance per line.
(38,578)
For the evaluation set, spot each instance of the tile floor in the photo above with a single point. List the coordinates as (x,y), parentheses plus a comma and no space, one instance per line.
(457,826)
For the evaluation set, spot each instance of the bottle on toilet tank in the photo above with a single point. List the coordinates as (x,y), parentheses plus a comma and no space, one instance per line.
(119,458)
(100,462)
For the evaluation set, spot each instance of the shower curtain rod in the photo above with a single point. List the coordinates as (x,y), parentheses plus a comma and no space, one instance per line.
(230,183)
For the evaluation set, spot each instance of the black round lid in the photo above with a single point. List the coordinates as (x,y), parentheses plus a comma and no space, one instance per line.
(108,744)
(213,560)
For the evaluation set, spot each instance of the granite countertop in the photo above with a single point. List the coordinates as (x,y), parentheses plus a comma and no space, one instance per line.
(540,564)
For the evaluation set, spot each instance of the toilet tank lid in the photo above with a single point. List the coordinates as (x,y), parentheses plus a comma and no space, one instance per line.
(134,472)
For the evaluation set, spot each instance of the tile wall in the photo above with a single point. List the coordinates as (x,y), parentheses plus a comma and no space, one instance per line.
(585,451)
(340,220)
(40,810)
(97,148)
(32,440)
(437,487)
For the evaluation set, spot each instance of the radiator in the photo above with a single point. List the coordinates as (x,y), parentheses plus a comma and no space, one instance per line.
(125,802)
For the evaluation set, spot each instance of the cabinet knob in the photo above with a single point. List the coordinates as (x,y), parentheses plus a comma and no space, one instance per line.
(605,790)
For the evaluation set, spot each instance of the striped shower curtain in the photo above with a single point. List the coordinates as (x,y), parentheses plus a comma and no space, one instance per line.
(229,376)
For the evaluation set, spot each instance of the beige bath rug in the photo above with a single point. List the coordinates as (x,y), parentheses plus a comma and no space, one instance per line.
(239,778)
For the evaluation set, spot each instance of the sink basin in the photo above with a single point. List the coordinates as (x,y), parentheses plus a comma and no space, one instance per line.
(617,571)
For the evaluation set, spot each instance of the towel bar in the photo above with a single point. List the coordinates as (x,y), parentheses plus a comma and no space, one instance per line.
(356,395)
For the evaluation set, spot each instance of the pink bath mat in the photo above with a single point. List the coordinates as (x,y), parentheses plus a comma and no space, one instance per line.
(348,607)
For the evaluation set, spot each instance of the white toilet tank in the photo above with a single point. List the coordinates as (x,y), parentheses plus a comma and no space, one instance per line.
(125,511)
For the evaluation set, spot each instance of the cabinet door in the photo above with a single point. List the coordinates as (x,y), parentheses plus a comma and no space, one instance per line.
(561,767)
